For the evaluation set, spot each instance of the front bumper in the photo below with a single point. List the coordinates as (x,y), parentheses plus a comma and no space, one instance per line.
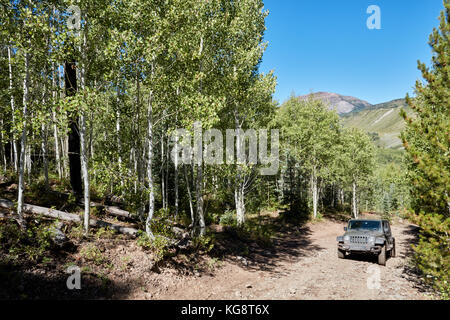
(349,247)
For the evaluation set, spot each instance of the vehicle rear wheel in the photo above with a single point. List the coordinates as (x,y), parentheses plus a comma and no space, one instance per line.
(382,256)
(341,255)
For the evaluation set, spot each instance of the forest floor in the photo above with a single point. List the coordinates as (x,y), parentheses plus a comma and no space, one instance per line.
(299,263)
(303,264)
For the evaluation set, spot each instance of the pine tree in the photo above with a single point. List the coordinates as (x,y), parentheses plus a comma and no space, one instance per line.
(426,140)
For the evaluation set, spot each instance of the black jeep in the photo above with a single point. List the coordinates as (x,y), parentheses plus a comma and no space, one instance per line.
(367,236)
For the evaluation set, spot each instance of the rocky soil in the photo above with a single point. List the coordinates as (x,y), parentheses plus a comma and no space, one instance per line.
(303,265)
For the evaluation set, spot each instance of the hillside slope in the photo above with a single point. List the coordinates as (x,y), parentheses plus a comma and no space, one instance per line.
(383,119)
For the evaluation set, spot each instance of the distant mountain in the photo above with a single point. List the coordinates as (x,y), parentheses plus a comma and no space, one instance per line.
(391,104)
(382,121)
(342,104)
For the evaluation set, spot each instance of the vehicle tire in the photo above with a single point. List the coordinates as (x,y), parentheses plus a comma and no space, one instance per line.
(382,257)
(341,255)
(392,252)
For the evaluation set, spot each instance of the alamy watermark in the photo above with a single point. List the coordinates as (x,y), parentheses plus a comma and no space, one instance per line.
(374,21)
(74,20)
(374,278)
(208,147)
(74,280)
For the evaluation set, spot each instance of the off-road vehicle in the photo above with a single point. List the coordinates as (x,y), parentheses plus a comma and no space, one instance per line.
(367,236)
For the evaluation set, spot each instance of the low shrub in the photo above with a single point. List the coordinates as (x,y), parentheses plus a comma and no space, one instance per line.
(31,244)
(159,245)
(432,253)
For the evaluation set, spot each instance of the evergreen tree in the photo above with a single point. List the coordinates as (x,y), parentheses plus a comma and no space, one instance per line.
(426,140)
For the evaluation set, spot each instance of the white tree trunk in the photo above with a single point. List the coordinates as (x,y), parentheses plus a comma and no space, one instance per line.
(239,187)
(163,179)
(84,159)
(314,192)
(139,151)
(55,126)
(64,140)
(44,147)
(199,166)
(119,143)
(13,109)
(85,172)
(199,191)
(65,149)
(176,163)
(2,146)
(57,153)
(23,145)
(167,172)
(354,205)
(188,187)
(240,204)
(176,180)
(151,209)
(28,160)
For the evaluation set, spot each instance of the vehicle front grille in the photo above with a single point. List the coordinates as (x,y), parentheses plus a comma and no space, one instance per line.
(358,239)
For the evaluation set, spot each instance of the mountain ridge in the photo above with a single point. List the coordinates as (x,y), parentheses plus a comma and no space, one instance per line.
(342,104)
(382,121)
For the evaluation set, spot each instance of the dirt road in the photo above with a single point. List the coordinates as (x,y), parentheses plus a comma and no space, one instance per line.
(302,265)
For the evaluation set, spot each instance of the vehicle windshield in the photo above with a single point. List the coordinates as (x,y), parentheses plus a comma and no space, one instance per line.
(365,225)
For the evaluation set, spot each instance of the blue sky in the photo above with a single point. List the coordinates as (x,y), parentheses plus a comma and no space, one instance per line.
(326,46)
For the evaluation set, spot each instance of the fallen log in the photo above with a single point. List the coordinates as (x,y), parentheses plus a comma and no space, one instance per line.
(71,217)
(112,210)
(6,184)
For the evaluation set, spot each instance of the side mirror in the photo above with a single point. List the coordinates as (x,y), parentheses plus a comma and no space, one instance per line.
(345,228)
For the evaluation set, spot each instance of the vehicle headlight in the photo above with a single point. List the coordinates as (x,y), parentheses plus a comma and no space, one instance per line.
(346,238)
(371,239)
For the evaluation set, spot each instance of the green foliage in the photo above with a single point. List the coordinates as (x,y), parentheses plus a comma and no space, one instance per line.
(426,137)
(433,251)
(260,233)
(213,263)
(158,245)
(105,233)
(93,254)
(160,224)
(389,186)
(204,243)
(254,230)
(309,132)
(32,245)
(427,145)
(76,232)
(318,153)
(228,218)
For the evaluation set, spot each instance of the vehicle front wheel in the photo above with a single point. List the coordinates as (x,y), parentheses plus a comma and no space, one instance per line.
(392,253)
(341,255)
(382,256)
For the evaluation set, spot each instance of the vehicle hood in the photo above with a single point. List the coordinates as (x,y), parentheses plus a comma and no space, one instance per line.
(363,233)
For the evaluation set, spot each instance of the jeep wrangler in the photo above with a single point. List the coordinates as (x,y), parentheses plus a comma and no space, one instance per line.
(367,236)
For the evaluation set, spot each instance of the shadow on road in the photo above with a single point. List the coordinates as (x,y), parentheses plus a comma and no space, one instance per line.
(290,239)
